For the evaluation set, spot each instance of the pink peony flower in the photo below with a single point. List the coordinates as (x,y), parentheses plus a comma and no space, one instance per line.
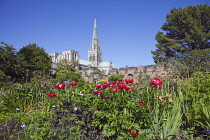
(95,91)
(114,90)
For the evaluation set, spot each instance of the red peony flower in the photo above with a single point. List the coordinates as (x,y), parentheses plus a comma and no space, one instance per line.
(104,86)
(73,83)
(60,86)
(51,94)
(56,86)
(120,86)
(127,87)
(127,81)
(140,103)
(133,133)
(113,82)
(105,82)
(156,82)
(98,85)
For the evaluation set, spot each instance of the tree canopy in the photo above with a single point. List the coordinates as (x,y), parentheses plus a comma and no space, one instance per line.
(10,63)
(36,59)
(185,30)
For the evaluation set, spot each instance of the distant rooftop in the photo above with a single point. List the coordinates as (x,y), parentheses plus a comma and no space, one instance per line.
(103,64)
(84,62)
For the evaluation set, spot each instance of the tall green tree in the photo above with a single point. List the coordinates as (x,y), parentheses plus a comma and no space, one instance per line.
(185,30)
(37,60)
(10,63)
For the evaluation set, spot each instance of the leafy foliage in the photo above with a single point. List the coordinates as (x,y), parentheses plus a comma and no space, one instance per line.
(194,99)
(3,77)
(69,76)
(185,30)
(78,112)
(10,63)
(115,78)
(36,59)
(187,64)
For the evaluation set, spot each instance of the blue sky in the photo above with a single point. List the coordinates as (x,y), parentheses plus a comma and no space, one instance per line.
(126,28)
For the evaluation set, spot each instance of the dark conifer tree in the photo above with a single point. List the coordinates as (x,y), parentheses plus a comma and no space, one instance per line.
(185,30)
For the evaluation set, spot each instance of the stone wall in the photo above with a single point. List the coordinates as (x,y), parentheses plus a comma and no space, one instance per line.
(158,71)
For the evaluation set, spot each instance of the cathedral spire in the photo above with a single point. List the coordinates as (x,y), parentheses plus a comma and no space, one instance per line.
(95,37)
(95,53)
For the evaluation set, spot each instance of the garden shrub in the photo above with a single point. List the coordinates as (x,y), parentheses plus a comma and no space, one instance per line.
(68,76)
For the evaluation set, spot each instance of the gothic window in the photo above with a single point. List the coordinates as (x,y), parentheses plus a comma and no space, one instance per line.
(93,57)
(99,57)
(90,59)
(73,57)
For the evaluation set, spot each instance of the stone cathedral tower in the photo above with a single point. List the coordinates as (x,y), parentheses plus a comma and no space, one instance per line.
(85,67)
(95,53)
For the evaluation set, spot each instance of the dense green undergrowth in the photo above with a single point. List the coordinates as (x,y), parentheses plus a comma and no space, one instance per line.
(110,110)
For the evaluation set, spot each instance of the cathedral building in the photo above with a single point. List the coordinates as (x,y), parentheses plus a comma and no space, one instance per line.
(95,63)
(85,67)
